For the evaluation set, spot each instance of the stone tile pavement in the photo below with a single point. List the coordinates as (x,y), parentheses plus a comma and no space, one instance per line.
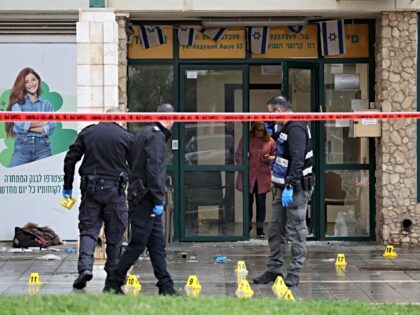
(368,275)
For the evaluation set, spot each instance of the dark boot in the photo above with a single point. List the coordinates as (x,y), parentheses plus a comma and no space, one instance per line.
(113,286)
(260,233)
(267,277)
(84,276)
(168,291)
(291,280)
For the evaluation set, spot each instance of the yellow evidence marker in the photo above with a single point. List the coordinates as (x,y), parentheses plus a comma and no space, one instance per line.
(279,287)
(34,279)
(244,290)
(67,202)
(390,252)
(340,261)
(133,282)
(241,267)
(193,286)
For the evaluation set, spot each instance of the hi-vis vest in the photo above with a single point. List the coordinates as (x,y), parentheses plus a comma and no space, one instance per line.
(280,166)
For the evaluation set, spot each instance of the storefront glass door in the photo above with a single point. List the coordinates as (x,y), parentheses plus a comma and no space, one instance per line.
(211,208)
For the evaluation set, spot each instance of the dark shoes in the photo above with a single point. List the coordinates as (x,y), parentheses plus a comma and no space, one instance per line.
(267,277)
(291,280)
(168,291)
(84,276)
(260,233)
(112,286)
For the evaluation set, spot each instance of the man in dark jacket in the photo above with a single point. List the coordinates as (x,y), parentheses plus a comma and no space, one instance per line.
(146,194)
(104,172)
(292,176)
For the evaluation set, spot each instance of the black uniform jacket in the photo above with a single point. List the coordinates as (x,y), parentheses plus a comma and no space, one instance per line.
(105,148)
(298,145)
(148,161)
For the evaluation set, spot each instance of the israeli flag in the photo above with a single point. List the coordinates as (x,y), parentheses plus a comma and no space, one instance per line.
(214,33)
(332,37)
(257,39)
(151,36)
(186,35)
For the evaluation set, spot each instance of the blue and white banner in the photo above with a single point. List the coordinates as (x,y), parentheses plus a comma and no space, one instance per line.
(186,35)
(151,36)
(332,37)
(257,39)
(214,33)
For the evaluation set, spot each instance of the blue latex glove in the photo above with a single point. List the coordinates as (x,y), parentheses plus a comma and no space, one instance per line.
(158,209)
(287,197)
(67,192)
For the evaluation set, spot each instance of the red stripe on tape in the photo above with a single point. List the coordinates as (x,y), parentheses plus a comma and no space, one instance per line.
(185,117)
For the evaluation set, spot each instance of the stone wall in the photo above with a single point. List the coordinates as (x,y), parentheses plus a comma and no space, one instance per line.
(395,89)
(122,60)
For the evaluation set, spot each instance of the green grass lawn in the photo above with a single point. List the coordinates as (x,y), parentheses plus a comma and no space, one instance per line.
(104,304)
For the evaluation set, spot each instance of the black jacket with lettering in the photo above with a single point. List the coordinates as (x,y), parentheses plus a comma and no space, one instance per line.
(104,148)
(148,160)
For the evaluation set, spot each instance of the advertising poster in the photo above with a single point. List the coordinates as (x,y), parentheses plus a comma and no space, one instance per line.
(30,191)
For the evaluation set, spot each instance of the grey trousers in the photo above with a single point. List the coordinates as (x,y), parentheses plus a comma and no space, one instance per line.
(288,224)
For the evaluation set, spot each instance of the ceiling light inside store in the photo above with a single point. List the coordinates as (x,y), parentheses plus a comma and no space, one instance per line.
(221,22)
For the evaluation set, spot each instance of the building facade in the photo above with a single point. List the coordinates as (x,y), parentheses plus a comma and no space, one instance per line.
(366,171)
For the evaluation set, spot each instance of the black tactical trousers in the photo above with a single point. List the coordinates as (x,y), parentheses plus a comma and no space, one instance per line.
(101,204)
(146,232)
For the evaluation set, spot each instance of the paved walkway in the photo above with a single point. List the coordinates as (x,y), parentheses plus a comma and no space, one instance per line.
(367,277)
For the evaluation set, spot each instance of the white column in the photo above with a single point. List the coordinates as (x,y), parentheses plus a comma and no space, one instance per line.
(97,61)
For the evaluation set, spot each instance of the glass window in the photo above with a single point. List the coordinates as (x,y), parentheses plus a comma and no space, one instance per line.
(213,206)
(346,89)
(347,203)
(212,143)
(148,87)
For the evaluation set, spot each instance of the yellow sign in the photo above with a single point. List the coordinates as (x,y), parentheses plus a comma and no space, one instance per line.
(285,44)
(279,287)
(34,279)
(244,290)
(340,261)
(357,41)
(390,252)
(193,282)
(133,281)
(164,51)
(230,46)
(241,267)
(68,202)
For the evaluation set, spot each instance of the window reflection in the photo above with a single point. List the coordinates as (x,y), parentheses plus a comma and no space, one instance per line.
(347,203)
(346,89)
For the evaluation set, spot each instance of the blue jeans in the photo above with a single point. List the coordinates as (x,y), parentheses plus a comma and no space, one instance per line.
(29,149)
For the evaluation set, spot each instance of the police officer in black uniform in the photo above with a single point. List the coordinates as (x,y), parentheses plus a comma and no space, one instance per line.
(145,200)
(104,174)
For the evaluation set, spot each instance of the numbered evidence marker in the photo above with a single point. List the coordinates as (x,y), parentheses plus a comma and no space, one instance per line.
(279,287)
(244,290)
(390,252)
(193,286)
(340,261)
(67,202)
(34,279)
(240,267)
(133,283)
